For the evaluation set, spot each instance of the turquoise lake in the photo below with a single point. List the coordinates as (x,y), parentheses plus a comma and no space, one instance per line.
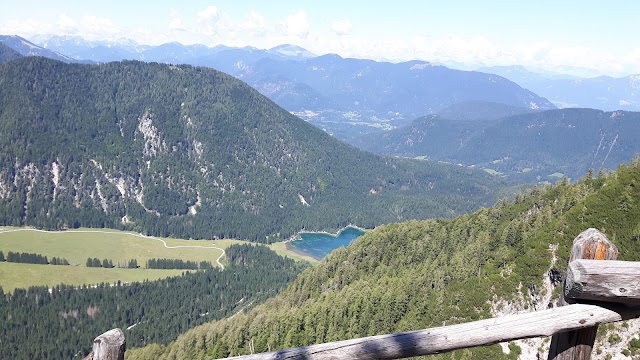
(318,245)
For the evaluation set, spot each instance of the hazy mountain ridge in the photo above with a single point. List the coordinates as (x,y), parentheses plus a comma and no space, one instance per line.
(7,53)
(192,152)
(603,92)
(341,95)
(530,146)
(27,48)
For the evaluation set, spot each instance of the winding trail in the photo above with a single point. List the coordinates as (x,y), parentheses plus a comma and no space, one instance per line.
(3,230)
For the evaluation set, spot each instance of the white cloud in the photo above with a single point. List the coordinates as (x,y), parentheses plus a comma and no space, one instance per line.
(177,24)
(207,21)
(211,12)
(66,24)
(342,27)
(211,25)
(26,27)
(296,25)
(97,25)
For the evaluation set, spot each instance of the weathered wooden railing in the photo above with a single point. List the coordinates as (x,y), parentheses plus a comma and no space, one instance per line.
(108,346)
(595,292)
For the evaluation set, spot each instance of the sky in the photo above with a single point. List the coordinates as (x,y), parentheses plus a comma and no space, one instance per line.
(562,35)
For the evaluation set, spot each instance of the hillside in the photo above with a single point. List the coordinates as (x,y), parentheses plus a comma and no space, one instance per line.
(36,319)
(481,110)
(601,92)
(7,53)
(194,153)
(528,146)
(423,274)
(27,48)
(348,96)
(344,96)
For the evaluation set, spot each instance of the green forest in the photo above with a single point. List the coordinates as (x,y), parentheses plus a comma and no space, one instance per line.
(60,323)
(529,146)
(190,152)
(422,274)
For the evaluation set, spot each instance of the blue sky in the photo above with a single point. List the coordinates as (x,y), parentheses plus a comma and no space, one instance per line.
(542,34)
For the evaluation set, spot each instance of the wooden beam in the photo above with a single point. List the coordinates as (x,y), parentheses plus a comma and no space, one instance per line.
(577,345)
(610,281)
(453,337)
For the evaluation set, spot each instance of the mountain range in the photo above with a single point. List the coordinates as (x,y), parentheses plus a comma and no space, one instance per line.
(602,92)
(343,96)
(188,151)
(289,86)
(531,146)
(27,48)
(191,152)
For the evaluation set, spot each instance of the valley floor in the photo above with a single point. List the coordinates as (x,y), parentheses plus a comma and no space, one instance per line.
(79,244)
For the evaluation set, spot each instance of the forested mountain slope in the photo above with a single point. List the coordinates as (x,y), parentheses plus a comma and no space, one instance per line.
(61,322)
(529,146)
(7,53)
(194,153)
(345,96)
(423,274)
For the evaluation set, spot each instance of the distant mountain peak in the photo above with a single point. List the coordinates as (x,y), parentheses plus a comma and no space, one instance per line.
(292,51)
(420,65)
(27,48)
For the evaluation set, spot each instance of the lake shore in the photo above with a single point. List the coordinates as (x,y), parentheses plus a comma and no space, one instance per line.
(300,252)
(317,245)
(297,236)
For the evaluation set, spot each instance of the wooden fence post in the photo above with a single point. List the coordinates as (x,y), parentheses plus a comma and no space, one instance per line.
(108,346)
(591,244)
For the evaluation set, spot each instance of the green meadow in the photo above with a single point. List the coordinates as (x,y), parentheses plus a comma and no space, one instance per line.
(78,245)
(13,275)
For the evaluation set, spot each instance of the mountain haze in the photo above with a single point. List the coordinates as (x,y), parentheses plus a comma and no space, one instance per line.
(529,146)
(27,48)
(192,152)
(344,96)
(601,92)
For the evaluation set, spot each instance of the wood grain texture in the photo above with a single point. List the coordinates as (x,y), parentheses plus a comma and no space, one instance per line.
(577,345)
(610,281)
(109,346)
(448,338)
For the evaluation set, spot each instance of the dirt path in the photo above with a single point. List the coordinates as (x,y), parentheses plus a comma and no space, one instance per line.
(2,230)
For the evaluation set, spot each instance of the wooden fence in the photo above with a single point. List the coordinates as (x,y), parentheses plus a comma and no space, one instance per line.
(595,292)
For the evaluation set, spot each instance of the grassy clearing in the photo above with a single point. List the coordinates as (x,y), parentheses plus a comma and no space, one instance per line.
(557,175)
(14,275)
(492,172)
(78,245)
(281,249)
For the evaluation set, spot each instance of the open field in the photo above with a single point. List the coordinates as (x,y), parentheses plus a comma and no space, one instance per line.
(79,244)
(13,275)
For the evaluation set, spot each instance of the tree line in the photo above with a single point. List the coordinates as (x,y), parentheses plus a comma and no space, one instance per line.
(35,319)
(178,264)
(108,263)
(32,258)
